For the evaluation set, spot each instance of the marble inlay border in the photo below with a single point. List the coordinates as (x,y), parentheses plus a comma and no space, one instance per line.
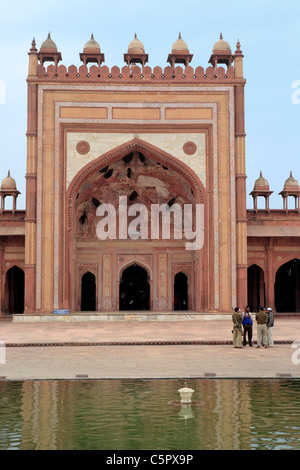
(127,88)
(163,120)
(39,202)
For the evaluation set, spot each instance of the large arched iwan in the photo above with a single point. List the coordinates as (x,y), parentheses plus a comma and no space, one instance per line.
(157,155)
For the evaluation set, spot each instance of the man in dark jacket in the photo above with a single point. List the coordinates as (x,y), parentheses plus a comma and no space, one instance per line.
(262,333)
(237,328)
(247,325)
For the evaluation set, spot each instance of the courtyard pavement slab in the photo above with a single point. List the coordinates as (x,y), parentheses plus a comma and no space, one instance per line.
(108,350)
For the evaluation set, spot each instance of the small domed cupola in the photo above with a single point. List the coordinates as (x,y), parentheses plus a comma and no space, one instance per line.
(180,53)
(9,188)
(92,52)
(291,188)
(261,188)
(261,183)
(221,53)
(291,183)
(221,45)
(8,183)
(48,52)
(136,53)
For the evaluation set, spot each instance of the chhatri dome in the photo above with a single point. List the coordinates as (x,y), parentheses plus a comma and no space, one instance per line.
(8,183)
(92,45)
(136,46)
(261,182)
(221,45)
(291,183)
(48,45)
(180,46)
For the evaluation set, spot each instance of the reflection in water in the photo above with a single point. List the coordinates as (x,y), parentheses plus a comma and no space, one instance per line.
(137,414)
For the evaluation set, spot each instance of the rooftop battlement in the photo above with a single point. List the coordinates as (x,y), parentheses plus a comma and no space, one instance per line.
(136,69)
(135,73)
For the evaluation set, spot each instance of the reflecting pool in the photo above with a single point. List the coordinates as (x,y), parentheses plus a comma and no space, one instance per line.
(139,415)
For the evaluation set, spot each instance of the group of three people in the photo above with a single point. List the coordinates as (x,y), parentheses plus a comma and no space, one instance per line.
(243,327)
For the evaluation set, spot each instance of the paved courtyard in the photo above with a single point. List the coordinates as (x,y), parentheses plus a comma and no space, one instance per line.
(143,350)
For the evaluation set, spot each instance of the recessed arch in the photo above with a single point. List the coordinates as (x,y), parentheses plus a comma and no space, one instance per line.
(181,291)
(256,287)
(134,289)
(135,145)
(287,287)
(76,199)
(15,290)
(88,292)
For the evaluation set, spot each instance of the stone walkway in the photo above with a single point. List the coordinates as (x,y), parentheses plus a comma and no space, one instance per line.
(103,350)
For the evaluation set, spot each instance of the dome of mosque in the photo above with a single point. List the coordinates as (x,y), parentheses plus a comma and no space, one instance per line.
(92,44)
(221,45)
(136,46)
(48,44)
(291,182)
(180,45)
(261,182)
(8,183)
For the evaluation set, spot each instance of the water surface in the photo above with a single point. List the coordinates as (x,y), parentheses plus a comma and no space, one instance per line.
(137,415)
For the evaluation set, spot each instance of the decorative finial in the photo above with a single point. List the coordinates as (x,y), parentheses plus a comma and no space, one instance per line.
(33,46)
(221,36)
(135,36)
(179,36)
(92,36)
(238,47)
(8,174)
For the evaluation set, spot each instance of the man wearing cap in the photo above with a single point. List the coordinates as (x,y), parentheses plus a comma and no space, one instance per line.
(237,328)
(262,332)
(270,324)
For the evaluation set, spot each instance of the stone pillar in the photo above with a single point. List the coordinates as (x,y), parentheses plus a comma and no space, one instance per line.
(31,174)
(241,212)
(270,297)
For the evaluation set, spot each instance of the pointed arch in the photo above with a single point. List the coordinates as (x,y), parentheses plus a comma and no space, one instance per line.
(135,145)
(181,291)
(256,287)
(287,287)
(15,290)
(88,292)
(134,289)
(155,154)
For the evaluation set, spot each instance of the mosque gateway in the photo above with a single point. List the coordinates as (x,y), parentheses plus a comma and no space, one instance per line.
(136,192)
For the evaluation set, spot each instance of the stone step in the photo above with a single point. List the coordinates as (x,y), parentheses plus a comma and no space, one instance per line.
(129,316)
(121,316)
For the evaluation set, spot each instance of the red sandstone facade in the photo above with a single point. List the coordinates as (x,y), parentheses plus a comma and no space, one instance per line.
(157,136)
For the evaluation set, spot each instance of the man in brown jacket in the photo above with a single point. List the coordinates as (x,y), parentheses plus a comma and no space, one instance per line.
(262,332)
(237,328)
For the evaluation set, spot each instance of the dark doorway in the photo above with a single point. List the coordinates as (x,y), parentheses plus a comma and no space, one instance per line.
(134,289)
(88,292)
(15,290)
(287,287)
(181,292)
(256,288)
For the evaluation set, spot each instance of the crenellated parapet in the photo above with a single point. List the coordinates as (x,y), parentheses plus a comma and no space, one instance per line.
(135,73)
(136,68)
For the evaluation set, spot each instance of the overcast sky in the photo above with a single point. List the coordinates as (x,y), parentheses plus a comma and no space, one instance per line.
(268,32)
